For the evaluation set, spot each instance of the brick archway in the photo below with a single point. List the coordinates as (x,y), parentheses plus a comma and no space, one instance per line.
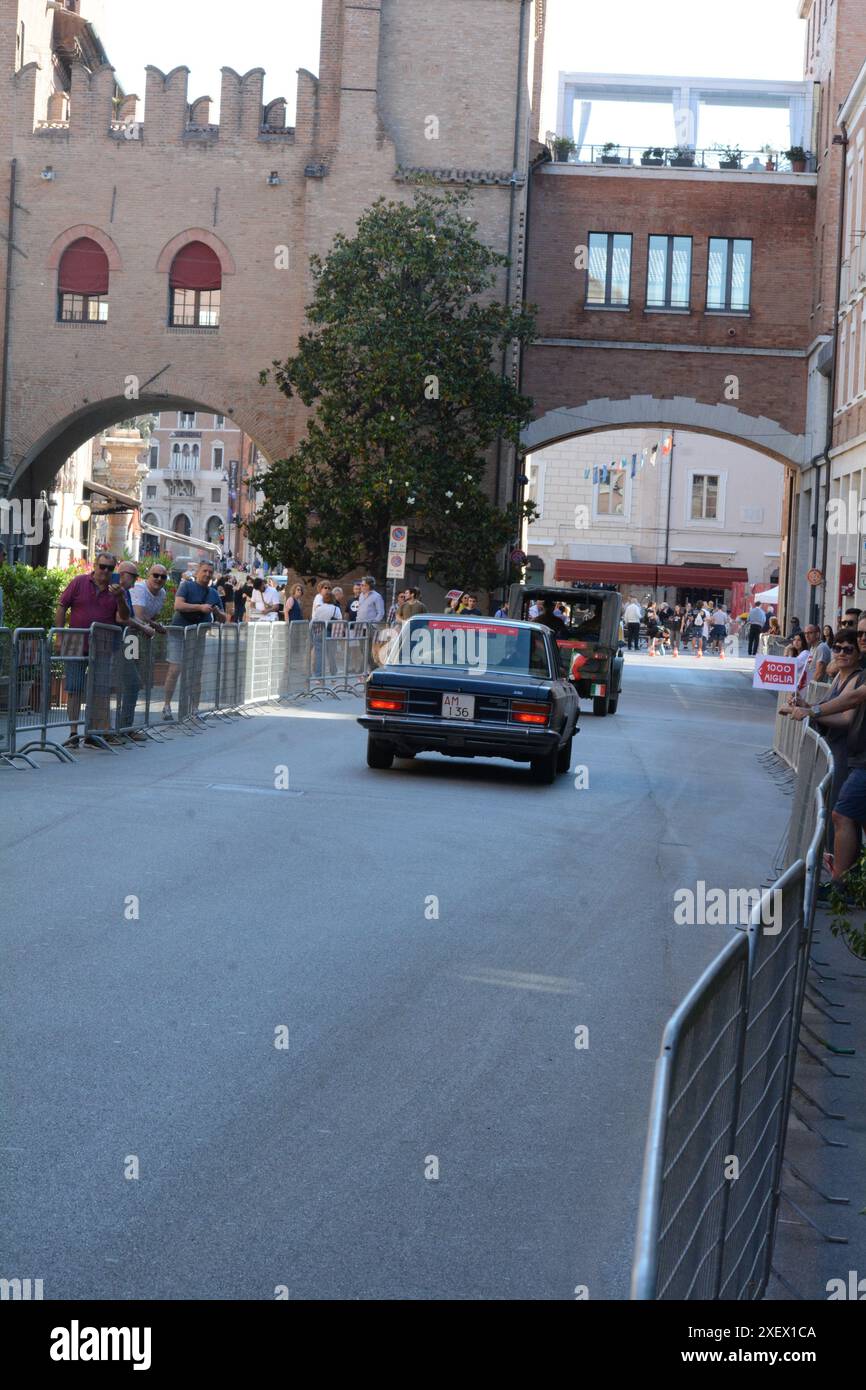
(46,455)
(678,412)
(219,248)
(84,229)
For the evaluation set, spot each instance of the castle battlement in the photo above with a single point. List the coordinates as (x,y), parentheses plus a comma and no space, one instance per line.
(92,108)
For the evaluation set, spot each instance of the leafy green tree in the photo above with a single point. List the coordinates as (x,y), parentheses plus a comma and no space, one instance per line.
(400,367)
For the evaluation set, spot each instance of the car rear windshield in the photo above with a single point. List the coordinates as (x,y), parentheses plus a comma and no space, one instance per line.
(469,645)
(582,617)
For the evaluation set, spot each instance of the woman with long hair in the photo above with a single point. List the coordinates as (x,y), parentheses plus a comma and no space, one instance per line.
(293,611)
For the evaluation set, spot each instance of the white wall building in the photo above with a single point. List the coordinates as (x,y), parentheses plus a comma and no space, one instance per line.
(195,464)
(705,503)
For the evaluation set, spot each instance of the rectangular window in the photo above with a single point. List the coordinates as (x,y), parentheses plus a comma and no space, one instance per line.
(219,422)
(195,309)
(669,272)
(154,456)
(83,308)
(217,457)
(852,359)
(186,419)
(705,497)
(216,494)
(535,487)
(840,373)
(610,496)
(607,284)
(729,274)
(151,491)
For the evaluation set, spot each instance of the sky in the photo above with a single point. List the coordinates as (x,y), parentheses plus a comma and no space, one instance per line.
(731,38)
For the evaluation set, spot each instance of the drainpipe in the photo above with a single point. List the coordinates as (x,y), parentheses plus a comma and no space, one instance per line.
(834,372)
(5,467)
(518,111)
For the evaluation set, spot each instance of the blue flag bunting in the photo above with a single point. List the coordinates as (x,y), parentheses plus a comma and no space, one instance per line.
(595,473)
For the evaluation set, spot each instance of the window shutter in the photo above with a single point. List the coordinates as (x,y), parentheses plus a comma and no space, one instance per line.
(196,267)
(83,268)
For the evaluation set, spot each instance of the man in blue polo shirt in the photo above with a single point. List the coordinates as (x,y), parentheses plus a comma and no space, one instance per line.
(196,602)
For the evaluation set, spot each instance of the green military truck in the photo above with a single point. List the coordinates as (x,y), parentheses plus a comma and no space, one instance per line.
(589,640)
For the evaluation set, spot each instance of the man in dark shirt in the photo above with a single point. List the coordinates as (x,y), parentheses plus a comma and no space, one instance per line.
(87,599)
(548,618)
(196,602)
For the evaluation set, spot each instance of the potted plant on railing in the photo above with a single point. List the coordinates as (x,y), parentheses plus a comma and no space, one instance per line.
(683,157)
(561,147)
(796,155)
(730,156)
(770,161)
(610,153)
(654,157)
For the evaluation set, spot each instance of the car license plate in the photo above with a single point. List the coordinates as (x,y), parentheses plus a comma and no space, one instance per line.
(458,707)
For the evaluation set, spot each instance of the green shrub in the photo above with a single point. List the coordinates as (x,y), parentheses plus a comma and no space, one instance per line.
(30,595)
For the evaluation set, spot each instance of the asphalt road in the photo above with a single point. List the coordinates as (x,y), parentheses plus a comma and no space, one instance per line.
(411,1037)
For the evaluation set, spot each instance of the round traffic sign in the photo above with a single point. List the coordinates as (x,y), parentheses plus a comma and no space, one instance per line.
(814,577)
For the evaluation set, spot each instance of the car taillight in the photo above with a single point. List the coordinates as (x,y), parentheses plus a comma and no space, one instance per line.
(387,701)
(529,714)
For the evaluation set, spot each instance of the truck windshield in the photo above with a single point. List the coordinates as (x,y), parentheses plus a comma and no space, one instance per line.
(469,645)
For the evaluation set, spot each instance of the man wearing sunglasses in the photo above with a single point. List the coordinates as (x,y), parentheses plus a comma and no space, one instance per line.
(145,599)
(819,653)
(89,598)
(849,812)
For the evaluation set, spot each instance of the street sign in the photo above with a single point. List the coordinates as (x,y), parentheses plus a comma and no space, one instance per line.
(397,564)
(518,557)
(399,540)
(814,577)
(779,672)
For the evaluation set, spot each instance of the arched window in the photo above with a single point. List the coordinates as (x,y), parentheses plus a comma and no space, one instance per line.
(82,283)
(181,524)
(195,282)
(214,529)
(185,457)
(195,457)
(175,456)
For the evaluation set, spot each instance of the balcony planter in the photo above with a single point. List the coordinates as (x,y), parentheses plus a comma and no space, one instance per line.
(730,164)
(607,153)
(797,156)
(561,148)
(653,158)
(682,159)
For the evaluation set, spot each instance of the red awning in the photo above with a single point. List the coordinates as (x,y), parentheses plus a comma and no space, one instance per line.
(83,268)
(196,267)
(655,576)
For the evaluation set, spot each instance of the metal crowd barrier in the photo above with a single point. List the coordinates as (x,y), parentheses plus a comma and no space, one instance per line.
(722,1091)
(788,733)
(118,687)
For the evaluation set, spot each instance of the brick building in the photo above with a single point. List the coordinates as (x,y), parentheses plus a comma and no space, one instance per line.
(164,260)
(846,502)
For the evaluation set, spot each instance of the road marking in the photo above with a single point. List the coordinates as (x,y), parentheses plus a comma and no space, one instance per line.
(683,701)
(251,791)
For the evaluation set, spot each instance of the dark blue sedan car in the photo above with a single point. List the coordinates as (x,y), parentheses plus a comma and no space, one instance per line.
(472,688)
